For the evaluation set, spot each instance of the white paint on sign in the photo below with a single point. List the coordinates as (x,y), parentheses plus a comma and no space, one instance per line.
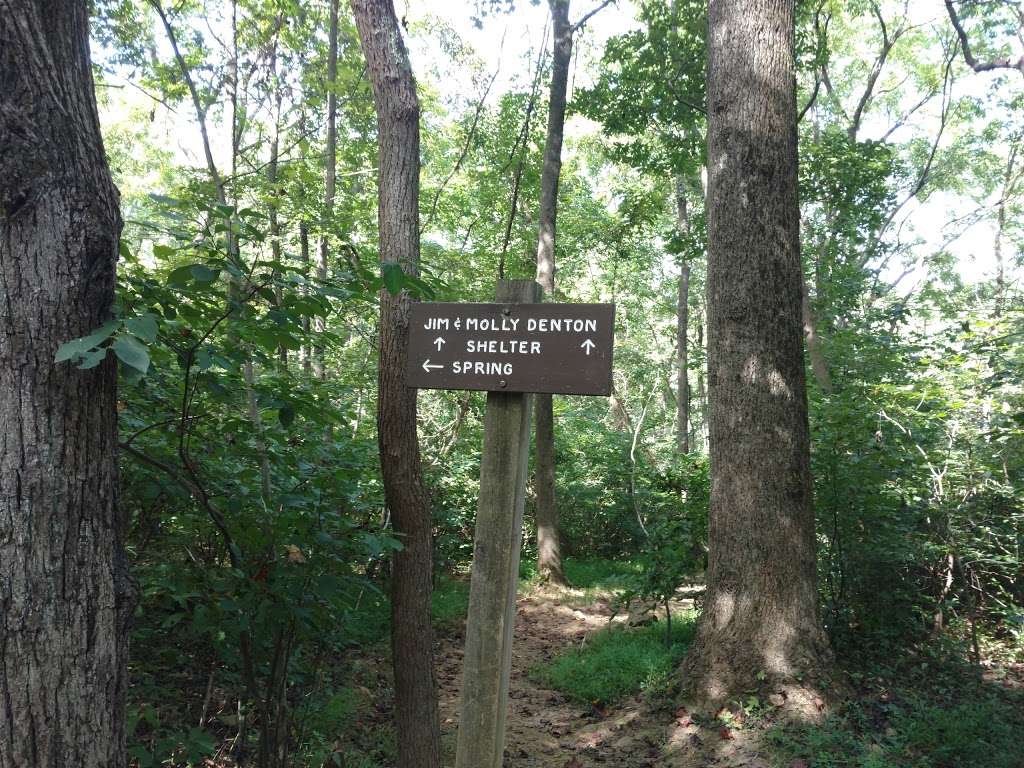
(504,347)
(511,324)
(587,346)
(564,324)
(492,324)
(482,369)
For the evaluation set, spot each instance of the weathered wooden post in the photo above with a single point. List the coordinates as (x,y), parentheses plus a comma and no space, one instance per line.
(510,348)
(492,595)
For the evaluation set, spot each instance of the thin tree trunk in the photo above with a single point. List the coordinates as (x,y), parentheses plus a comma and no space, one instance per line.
(307,352)
(1009,180)
(275,191)
(818,365)
(761,623)
(65,592)
(394,95)
(237,284)
(549,546)
(682,327)
(330,177)
(702,393)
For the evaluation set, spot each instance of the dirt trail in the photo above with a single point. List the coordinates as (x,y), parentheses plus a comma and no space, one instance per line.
(547,730)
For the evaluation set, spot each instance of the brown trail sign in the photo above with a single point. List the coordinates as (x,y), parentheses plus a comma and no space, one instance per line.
(510,348)
(563,349)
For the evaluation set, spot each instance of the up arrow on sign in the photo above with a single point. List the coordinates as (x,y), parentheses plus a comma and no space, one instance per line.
(587,346)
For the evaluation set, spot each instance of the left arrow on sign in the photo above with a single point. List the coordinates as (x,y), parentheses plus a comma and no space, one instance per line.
(427,366)
(438,342)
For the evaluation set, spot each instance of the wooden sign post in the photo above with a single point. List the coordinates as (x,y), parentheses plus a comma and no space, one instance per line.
(487,663)
(511,348)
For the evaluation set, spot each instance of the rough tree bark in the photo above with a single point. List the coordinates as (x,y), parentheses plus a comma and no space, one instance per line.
(64,584)
(549,547)
(398,136)
(760,625)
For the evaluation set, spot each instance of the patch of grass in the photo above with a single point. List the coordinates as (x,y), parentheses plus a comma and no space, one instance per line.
(600,574)
(618,662)
(450,601)
(586,573)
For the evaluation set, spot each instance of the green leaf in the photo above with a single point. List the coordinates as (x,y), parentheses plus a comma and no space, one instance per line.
(172,202)
(100,335)
(180,276)
(203,274)
(68,350)
(131,352)
(163,251)
(203,359)
(422,289)
(93,358)
(394,277)
(143,326)
(72,349)
(286,415)
(142,755)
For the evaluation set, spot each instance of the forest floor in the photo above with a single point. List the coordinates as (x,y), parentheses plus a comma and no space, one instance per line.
(925,709)
(548,729)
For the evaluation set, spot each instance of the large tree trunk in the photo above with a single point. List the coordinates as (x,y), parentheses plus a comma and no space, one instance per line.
(64,585)
(682,327)
(394,95)
(760,624)
(549,547)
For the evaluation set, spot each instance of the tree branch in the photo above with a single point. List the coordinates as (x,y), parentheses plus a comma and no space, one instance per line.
(979,66)
(579,24)
(465,146)
(218,183)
